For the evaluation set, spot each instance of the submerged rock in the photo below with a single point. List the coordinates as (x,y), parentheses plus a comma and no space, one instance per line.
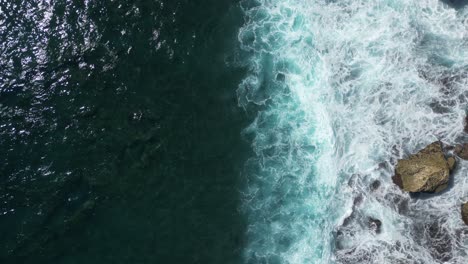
(375,225)
(400,203)
(437,238)
(462,151)
(464,212)
(465,128)
(426,171)
(358,200)
(375,185)
(280,77)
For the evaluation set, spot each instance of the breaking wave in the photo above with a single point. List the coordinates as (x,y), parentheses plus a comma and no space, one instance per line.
(343,89)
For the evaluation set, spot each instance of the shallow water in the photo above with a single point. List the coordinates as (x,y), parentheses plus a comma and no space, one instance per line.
(346,88)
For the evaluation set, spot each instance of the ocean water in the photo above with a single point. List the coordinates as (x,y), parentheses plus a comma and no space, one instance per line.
(229,131)
(120,132)
(344,89)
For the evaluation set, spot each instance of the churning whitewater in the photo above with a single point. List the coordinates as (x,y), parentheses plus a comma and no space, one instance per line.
(344,89)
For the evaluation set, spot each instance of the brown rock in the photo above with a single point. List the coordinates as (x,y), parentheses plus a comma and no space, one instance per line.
(464,213)
(426,171)
(441,188)
(451,162)
(397,180)
(462,151)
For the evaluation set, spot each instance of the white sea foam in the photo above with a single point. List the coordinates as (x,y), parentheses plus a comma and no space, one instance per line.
(345,88)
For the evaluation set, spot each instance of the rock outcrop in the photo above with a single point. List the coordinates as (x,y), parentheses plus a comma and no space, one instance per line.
(451,163)
(426,171)
(462,151)
(464,212)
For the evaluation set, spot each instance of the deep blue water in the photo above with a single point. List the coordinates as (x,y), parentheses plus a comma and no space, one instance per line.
(120,132)
(228,131)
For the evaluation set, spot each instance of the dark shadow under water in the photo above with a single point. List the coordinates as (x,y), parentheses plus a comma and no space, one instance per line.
(120,132)
(456,3)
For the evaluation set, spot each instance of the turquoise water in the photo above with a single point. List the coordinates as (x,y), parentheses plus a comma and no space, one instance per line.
(251,131)
(345,88)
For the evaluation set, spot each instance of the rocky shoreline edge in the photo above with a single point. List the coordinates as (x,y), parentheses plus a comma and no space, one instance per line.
(429,170)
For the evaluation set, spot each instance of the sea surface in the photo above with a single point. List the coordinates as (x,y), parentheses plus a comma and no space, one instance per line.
(229,131)
(120,132)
